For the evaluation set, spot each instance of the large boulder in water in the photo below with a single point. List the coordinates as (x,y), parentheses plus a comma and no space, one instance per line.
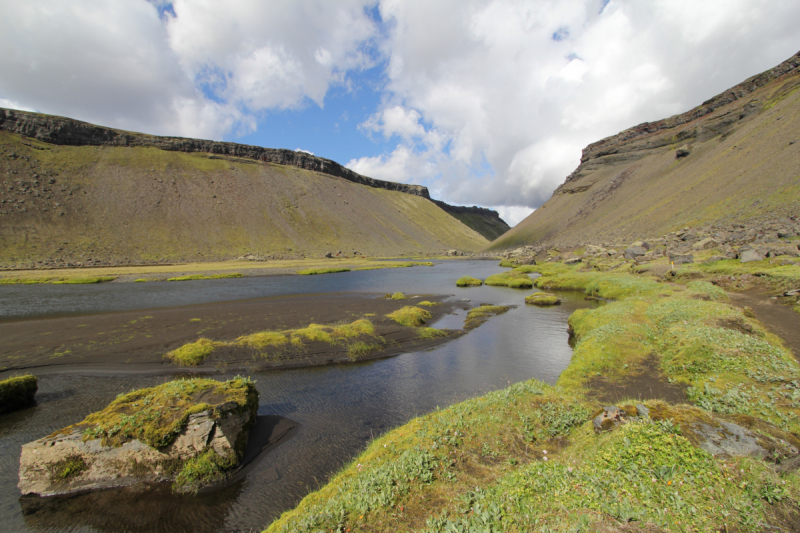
(191,432)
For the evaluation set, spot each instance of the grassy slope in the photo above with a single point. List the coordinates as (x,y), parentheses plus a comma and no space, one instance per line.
(526,459)
(149,204)
(745,172)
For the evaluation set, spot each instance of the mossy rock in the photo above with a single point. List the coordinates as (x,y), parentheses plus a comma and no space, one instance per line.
(17,392)
(468,281)
(542,299)
(190,431)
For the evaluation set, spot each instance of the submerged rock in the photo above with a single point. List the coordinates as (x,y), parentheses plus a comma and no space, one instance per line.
(190,432)
(17,392)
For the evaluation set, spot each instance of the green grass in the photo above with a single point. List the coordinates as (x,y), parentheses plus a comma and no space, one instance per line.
(426,303)
(397,296)
(468,281)
(410,316)
(526,269)
(504,279)
(57,281)
(431,333)
(482,313)
(17,392)
(203,276)
(192,354)
(360,349)
(314,271)
(520,283)
(542,299)
(67,468)
(202,470)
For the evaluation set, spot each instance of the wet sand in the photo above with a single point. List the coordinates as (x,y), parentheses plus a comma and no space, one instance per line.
(136,341)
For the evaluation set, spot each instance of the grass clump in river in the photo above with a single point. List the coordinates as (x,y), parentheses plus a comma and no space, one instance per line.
(194,353)
(468,281)
(482,313)
(410,316)
(431,333)
(204,469)
(17,392)
(542,299)
(510,278)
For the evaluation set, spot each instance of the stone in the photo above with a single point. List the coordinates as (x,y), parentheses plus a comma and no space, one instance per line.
(609,418)
(705,244)
(642,244)
(591,249)
(683,151)
(634,251)
(572,261)
(64,462)
(750,255)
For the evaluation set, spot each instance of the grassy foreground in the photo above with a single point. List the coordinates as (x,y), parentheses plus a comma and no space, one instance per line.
(527,458)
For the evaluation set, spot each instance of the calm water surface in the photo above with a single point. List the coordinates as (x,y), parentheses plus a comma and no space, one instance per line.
(340,408)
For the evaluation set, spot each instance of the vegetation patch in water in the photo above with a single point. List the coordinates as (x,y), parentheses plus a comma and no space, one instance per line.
(204,276)
(482,313)
(503,279)
(542,299)
(431,333)
(468,281)
(314,271)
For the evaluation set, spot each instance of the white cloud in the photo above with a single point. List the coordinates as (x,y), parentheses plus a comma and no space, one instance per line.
(516,90)
(513,214)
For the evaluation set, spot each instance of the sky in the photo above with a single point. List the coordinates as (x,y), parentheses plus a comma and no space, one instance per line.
(485,102)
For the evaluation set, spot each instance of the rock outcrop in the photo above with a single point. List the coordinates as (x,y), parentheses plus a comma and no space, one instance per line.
(17,392)
(66,131)
(158,434)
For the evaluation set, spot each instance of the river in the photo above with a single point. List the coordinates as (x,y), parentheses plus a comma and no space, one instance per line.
(340,408)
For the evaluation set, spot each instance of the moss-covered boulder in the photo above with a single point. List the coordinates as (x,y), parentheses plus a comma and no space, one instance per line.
(468,281)
(542,299)
(192,432)
(18,392)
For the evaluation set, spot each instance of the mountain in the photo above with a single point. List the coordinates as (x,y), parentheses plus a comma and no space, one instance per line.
(734,158)
(73,191)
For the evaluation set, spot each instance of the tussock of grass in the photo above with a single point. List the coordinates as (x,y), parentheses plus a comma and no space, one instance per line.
(359,350)
(526,269)
(431,333)
(314,271)
(57,281)
(482,313)
(410,316)
(203,276)
(263,339)
(195,353)
(520,283)
(468,281)
(426,303)
(397,296)
(504,279)
(192,354)
(17,392)
(542,299)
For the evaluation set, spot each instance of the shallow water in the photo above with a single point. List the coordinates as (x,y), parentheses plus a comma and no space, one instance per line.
(340,408)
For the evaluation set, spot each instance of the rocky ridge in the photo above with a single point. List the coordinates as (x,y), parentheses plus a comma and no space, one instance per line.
(66,131)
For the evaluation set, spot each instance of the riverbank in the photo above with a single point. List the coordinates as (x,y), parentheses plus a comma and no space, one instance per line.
(207,270)
(534,457)
(138,341)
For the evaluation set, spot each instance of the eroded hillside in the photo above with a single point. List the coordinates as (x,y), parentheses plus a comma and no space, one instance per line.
(735,157)
(114,204)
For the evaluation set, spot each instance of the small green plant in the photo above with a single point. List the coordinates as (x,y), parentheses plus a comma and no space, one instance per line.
(67,468)
(431,333)
(468,281)
(204,469)
(542,299)
(410,316)
(192,354)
